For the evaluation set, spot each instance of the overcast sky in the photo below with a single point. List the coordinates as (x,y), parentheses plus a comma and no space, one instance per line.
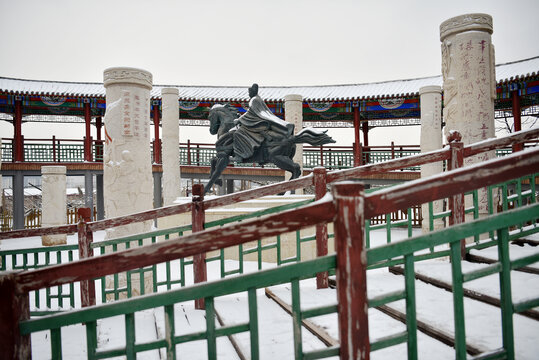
(238,42)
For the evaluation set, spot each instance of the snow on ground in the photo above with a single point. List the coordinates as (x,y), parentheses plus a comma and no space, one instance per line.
(434,306)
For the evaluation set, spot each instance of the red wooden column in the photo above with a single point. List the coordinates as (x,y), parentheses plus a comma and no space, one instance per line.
(99,140)
(349,227)
(456,202)
(157,141)
(14,307)
(357,144)
(321,229)
(87,288)
(18,146)
(197,220)
(365,130)
(88,137)
(516,117)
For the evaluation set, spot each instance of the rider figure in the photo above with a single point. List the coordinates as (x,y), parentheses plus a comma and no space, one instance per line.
(257,125)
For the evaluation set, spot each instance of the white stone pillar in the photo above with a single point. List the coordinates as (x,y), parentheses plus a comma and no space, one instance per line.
(431,139)
(127,170)
(293,112)
(469,82)
(53,202)
(171,143)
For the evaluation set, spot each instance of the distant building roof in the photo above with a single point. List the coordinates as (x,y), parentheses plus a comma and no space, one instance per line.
(512,71)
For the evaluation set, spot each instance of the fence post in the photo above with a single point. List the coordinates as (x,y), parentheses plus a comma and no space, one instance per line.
(321,229)
(392,150)
(349,227)
(14,307)
(87,287)
(456,202)
(54,148)
(188,152)
(197,220)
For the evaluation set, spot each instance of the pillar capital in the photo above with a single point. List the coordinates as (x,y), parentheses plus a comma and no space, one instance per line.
(466,22)
(430,89)
(293,97)
(170,91)
(53,170)
(127,75)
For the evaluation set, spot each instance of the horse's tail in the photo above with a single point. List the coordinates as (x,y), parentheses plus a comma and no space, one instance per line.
(312,137)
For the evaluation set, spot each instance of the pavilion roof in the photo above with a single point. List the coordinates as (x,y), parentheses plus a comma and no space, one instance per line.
(508,72)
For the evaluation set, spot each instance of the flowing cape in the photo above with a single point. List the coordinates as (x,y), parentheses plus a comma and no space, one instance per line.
(256,125)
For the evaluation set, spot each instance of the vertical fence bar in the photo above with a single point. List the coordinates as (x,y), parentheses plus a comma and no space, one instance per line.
(321,229)
(456,202)
(130,336)
(56,344)
(170,331)
(14,307)
(253,323)
(458,301)
(87,287)
(91,339)
(411,320)
(351,270)
(505,293)
(54,148)
(296,320)
(198,219)
(210,328)
(188,152)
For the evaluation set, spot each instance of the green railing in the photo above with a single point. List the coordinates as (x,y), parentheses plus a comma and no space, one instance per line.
(517,167)
(51,299)
(7,151)
(511,194)
(114,289)
(292,274)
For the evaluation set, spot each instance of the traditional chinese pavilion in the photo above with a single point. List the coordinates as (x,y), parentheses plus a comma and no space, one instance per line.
(358,106)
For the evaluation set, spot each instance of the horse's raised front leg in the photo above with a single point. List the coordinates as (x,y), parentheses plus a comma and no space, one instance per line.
(287,164)
(218,164)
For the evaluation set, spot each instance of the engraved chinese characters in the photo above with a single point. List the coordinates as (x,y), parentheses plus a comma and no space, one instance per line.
(469,82)
(127,170)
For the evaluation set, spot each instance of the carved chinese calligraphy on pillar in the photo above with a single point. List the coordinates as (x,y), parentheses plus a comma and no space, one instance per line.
(127,170)
(127,167)
(469,81)
(431,139)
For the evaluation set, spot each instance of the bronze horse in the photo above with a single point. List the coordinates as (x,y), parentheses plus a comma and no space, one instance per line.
(277,151)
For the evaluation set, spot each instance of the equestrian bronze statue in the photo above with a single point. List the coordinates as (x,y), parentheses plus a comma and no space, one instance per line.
(257,136)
